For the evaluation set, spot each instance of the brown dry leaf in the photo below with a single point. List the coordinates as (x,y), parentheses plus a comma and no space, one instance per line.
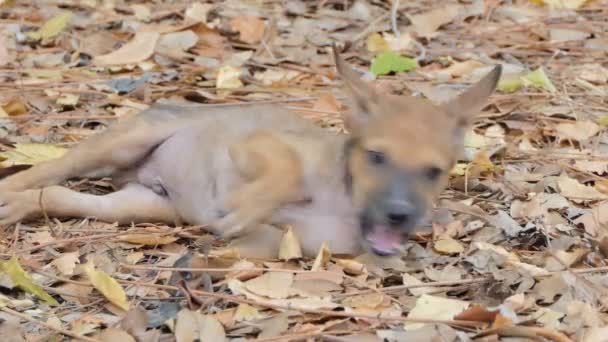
(271,284)
(416,291)
(250,29)
(425,25)
(365,301)
(435,308)
(148,239)
(135,322)
(140,48)
(290,246)
(15,106)
(579,131)
(114,335)
(578,192)
(322,258)
(66,263)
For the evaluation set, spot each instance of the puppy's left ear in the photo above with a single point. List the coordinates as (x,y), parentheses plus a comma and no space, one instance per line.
(467,105)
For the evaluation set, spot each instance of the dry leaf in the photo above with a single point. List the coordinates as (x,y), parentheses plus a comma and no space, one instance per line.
(250,29)
(426,24)
(578,192)
(140,48)
(435,308)
(229,77)
(15,106)
(191,326)
(24,281)
(579,131)
(290,246)
(271,284)
(198,12)
(174,42)
(148,239)
(246,312)
(416,291)
(31,154)
(448,246)
(115,335)
(107,286)
(322,258)
(66,263)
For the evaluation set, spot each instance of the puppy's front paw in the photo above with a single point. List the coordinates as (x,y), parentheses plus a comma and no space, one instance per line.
(237,222)
(16,206)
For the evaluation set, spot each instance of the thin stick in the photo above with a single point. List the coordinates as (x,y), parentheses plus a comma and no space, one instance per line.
(46,325)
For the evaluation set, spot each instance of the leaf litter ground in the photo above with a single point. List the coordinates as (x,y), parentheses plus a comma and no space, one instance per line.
(517,246)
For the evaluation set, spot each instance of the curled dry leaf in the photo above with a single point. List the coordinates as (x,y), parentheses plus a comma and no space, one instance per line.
(322,258)
(578,192)
(290,246)
(148,239)
(137,50)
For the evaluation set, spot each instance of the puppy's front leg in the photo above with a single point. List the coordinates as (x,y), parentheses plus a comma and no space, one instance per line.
(273,173)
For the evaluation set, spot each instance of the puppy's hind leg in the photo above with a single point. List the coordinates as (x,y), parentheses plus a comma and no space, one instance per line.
(120,147)
(133,203)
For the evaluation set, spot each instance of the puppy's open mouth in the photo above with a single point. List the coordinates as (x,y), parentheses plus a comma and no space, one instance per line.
(384,240)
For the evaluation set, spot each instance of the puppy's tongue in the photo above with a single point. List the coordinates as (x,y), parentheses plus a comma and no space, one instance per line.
(384,239)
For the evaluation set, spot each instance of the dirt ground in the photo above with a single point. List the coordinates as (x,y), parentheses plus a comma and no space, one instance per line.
(518,245)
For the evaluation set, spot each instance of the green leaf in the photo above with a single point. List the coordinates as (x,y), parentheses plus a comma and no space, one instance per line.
(387,62)
(539,79)
(603,121)
(510,84)
(23,280)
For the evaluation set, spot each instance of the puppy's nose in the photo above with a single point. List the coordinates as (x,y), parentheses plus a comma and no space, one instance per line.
(397,218)
(398,212)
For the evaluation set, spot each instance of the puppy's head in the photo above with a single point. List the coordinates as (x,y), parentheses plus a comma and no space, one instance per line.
(400,153)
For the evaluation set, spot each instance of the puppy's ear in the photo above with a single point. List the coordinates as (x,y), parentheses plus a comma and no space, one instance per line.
(363,98)
(464,108)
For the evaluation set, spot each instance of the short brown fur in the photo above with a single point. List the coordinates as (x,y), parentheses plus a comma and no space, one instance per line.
(239,168)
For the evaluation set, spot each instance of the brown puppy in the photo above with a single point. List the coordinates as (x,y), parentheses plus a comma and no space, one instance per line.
(239,167)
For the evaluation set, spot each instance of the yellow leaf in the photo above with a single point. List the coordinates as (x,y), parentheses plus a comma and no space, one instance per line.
(290,246)
(246,312)
(228,77)
(148,239)
(31,154)
(568,4)
(23,280)
(377,43)
(448,246)
(539,79)
(52,27)
(107,286)
(68,100)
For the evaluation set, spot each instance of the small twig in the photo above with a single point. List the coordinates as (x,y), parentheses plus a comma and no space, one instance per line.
(529,332)
(46,325)
(394,10)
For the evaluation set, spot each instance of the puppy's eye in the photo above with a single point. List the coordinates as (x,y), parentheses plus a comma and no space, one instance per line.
(376,158)
(433,172)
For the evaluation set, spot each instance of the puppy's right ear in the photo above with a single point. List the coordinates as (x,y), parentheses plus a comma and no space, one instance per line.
(363,97)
